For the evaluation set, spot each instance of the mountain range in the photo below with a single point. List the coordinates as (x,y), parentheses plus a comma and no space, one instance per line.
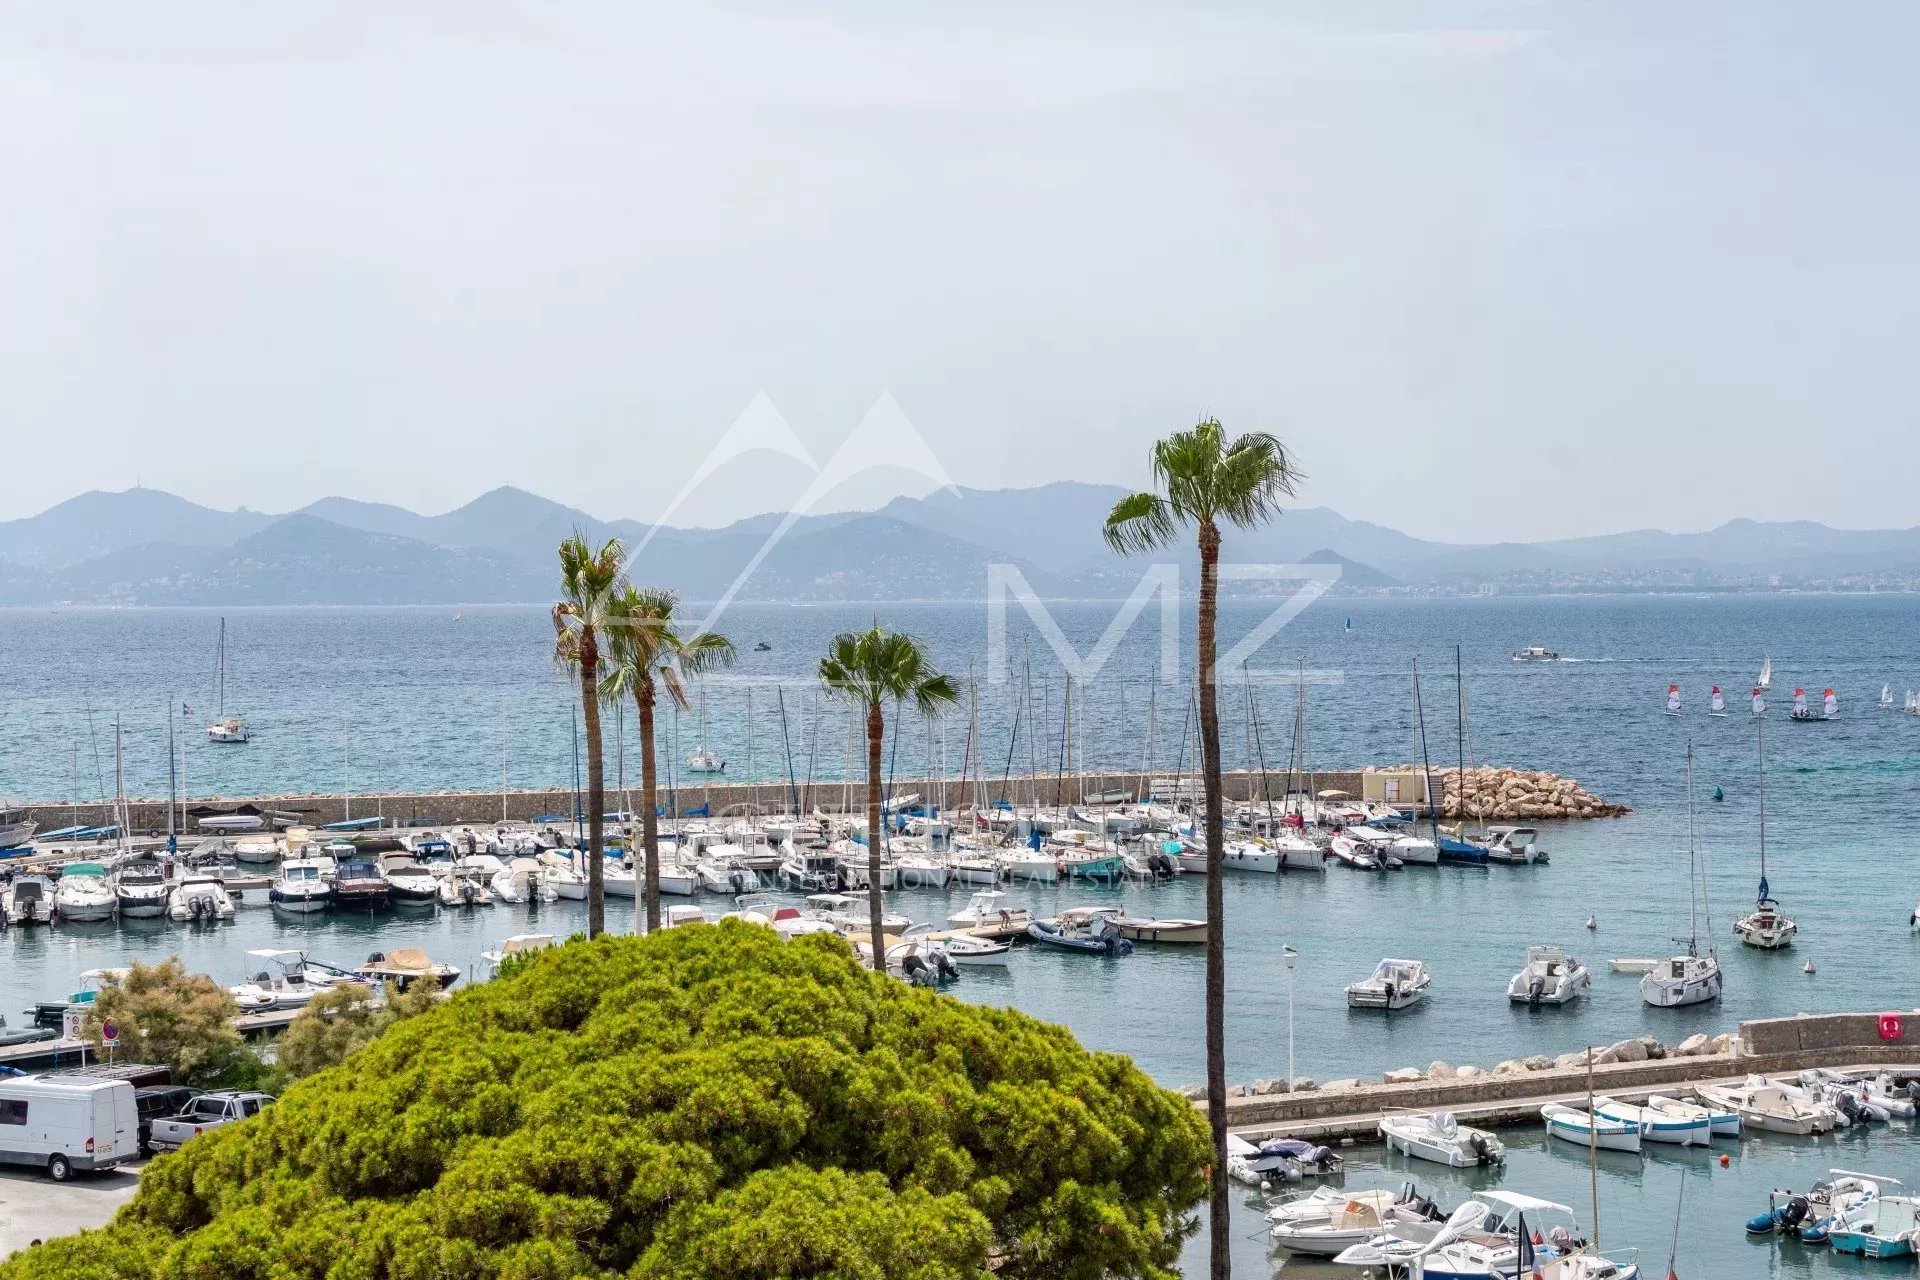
(148,547)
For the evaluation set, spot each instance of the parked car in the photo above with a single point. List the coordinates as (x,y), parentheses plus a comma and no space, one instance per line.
(207,1111)
(156,1102)
(67,1125)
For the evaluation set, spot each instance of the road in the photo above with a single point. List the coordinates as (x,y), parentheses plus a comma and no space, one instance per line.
(34,1207)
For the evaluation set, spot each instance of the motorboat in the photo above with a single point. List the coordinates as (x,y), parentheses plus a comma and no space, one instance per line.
(1394,984)
(1885,1228)
(16,825)
(1480,1241)
(1407,850)
(258,850)
(970,951)
(1297,853)
(83,894)
(849,914)
(566,880)
(1515,846)
(683,913)
(141,889)
(404,966)
(410,884)
(1280,1160)
(1655,1125)
(719,871)
(199,897)
(1850,1097)
(358,886)
(279,979)
(1535,653)
(812,870)
(1086,929)
(1034,865)
(1722,1122)
(465,889)
(1764,1105)
(521,883)
(990,908)
(1354,853)
(304,885)
(1817,1095)
(1439,1137)
(28,899)
(1812,1216)
(1352,1219)
(1550,976)
(520,944)
(1150,929)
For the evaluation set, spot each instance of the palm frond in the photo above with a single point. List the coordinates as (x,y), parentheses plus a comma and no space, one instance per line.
(1139,522)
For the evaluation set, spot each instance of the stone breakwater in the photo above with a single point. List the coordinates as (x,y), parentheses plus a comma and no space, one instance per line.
(1506,795)
(1639,1049)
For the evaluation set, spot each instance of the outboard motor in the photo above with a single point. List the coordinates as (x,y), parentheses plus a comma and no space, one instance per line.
(943,966)
(1785,1218)
(918,972)
(743,880)
(1536,989)
(1849,1106)
(1482,1149)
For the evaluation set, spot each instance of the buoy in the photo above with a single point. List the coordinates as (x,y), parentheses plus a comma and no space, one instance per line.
(1592,923)
(1724,1160)
(1265,1185)
(1808,968)
(1718,794)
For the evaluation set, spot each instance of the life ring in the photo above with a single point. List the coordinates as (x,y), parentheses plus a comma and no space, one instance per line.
(1890,1026)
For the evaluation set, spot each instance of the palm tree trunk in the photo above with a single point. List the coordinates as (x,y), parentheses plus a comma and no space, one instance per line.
(596,785)
(876,734)
(649,818)
(1218,1210)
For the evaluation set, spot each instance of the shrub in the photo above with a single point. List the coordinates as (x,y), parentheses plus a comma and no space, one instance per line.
(709,1101)
(164,1014)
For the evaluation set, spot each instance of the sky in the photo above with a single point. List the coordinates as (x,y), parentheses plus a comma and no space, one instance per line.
(1494,271)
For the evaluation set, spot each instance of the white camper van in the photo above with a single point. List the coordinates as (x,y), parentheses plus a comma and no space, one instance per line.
(67,1124)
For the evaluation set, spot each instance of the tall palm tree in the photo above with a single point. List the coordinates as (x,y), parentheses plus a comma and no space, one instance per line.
(869,669)
(1203,479)
(649,654)
(590,581)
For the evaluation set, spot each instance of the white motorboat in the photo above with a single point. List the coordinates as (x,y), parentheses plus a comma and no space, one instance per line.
(1479,1242)
(1439,1137)
(976,952)
(683,913)
(1034,865)
(523,883)
(719,870)
(1354,853)
(519,944)
(280,979)
(849,914)
(304,885)
(466,889)
(411,883)
(1550,976)
(1763,1105)
(1153,929)
(1535,653)
(16,825)
(1655,1124)
(990,907)
(1324,1228)
(200,897)
(1721,1121)
(259,850)
(141,890)
(566,880)
(1395,984)
(1515,846)
(1813,1095)
(83,894)
(28,899)
(1244,855)
(1691,978)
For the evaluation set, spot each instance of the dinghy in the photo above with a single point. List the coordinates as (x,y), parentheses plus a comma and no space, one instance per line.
(1656,1125)
(1721,1122)
(1810,1217)
(1086,929)
(1673,699)
(1280,1160)
(1588,1130)
(1886,697)
(1759,703)
(1716,703)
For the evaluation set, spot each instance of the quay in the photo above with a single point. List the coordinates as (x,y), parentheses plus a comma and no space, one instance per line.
(1351,1110)
(1530,796)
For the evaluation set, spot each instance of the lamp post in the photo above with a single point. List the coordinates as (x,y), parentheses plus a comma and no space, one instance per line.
(1291,955)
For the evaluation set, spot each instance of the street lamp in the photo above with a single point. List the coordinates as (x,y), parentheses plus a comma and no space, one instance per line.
(1291,955)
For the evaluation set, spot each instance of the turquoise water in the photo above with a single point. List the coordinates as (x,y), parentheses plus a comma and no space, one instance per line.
(425,697)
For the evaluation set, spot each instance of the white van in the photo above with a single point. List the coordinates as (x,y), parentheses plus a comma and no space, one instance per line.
(67,1124)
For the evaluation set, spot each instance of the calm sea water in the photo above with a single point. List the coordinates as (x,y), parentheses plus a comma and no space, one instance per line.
(418,699)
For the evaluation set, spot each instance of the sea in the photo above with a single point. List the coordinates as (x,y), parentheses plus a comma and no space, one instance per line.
(387,700)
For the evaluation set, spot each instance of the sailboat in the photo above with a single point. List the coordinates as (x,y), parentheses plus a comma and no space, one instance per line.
(1800,712)
(1766,926)
(1759,701)
(225,728)
(1716,705)
(1913,703)
(1673,699)
(1829,705)
(703,760)
(1886,697)
(1765,680)
(1691,978)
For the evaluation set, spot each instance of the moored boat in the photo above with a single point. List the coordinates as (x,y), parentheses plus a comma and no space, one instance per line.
(1590,1130)
(1085,929)
(1439,1137)
(200,897)
(1149,929)
(1656,1125)
(1550,976)
(1394,984)
(83,894)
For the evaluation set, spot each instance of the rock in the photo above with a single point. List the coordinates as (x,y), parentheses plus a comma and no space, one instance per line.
(1693,1046)
(1405,1075)
(1508,1068)
(1438,1070)
(1263,1088)
(1724,1043)
(1195,1092)
(1341,1084)
(1655,1050)
(1538,1062)
(1468,1072)
(1304,1084)
(1566,1060)
(1628,1051)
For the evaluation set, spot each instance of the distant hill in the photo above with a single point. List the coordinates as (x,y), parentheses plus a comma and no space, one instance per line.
(142,546)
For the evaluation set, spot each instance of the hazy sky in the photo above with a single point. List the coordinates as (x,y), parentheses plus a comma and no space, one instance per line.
(1496,270)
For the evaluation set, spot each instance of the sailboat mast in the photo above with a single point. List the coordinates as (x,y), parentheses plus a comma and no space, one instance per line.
(1759,738)
(1693,902)
(220,663)
(1593,1156)
(173,789)
(1460,739)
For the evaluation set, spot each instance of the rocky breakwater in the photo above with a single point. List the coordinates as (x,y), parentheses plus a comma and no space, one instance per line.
(1509,795)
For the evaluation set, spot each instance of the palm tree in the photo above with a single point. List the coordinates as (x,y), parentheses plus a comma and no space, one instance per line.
(1204,479)
(869,669)
(590,581)
(649,654)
